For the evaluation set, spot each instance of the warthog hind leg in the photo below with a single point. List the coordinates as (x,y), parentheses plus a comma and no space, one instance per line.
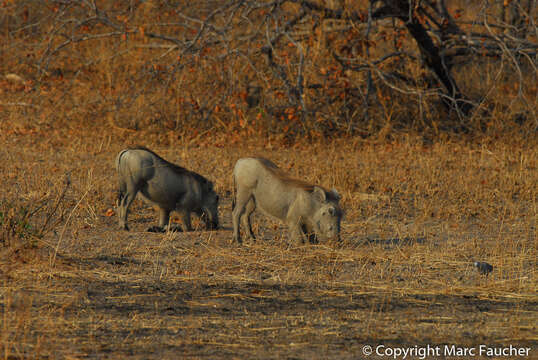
(246,217)
(243,197)
(125,200)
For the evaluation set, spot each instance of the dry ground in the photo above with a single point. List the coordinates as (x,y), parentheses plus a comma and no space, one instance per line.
(401,277)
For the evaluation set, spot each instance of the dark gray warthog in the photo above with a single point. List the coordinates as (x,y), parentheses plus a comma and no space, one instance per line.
(310,211)
(166,185)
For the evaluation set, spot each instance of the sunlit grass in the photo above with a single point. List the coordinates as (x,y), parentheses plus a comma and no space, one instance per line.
(403,273)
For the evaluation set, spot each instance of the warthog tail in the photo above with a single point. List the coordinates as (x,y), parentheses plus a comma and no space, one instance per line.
(233,194)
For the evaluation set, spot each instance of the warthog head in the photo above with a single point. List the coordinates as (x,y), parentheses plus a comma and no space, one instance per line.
(210,205)
(328,216)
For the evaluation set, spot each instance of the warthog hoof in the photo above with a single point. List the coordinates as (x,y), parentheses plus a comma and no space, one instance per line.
(237,240)
(156,229)
(212,226)
(312,239)
(159,229)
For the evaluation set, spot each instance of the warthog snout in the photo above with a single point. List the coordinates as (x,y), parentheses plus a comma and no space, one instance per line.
(213,226)
(210,218)
(328,222)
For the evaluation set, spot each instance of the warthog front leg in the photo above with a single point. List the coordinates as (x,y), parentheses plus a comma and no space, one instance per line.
(164,220)
(295,224)
(296,233)
(164,217)
(186,217)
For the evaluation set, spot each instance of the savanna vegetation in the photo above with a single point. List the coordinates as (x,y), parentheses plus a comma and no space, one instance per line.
(421,113)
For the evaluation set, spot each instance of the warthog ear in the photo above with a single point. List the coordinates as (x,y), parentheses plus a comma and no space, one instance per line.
(319,194)
(336,194)
(209,186)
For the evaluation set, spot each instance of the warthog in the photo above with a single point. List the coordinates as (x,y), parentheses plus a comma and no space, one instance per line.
(310,211)
(166,185)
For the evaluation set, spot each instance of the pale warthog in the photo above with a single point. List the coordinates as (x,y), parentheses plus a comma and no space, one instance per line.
(166,185)
(310,211)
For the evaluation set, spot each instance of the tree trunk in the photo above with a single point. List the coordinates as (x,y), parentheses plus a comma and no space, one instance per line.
(429,51)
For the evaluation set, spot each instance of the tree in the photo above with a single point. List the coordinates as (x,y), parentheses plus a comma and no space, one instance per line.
(306,66)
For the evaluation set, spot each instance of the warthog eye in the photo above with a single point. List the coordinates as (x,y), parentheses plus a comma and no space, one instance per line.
(331,211)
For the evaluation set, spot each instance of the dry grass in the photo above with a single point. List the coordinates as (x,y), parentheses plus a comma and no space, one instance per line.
(402,276)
